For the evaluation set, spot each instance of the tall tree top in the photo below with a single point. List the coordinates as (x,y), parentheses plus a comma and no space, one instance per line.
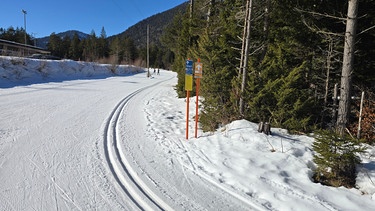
(103,34)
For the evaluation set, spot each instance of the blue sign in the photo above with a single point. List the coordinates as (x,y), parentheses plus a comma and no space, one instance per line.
(189,67)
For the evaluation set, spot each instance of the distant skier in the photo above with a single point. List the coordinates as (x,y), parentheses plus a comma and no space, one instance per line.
(158,71)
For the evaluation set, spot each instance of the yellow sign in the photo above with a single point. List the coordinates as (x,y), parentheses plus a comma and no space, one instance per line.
(188,82)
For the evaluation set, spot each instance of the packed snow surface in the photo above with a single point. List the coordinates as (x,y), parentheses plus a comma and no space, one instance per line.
(84,136)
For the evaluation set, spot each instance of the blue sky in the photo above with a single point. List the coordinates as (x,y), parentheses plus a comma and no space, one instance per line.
(46,16)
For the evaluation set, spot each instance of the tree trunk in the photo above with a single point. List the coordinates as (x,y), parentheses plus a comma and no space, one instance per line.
(210,11)
(347,67)
(249,6)
(266,29)
(328,69)
(243,42)
(191,9)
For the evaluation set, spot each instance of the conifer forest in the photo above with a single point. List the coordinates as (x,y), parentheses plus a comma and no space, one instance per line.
(282,62)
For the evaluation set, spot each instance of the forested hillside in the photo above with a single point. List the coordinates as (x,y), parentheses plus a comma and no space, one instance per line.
(287,71)
(43,42)
(128,47)
(157,24)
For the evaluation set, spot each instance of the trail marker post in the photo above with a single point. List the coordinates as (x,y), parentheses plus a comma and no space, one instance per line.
(188,88)
(197,75)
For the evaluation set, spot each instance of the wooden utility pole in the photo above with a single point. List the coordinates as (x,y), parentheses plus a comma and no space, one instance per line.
(347,66)
(245,56)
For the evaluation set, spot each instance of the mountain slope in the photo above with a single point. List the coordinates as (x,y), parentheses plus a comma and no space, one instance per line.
(137,32)
(42,42)
(157,23)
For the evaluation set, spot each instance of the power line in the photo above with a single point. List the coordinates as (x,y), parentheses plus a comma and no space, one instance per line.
(136,7)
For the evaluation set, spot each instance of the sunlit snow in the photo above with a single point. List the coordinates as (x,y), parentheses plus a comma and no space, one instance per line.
(68,130)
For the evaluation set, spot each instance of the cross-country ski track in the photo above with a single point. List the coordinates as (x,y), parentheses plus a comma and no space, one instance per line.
(126,177)
(86,145)
(78,137)
(130,179)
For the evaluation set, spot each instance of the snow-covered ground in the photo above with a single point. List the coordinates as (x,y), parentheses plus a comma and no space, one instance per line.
(83,136)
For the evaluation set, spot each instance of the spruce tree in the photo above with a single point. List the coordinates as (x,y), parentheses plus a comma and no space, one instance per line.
(177,38)
(278,88)
(336,158)
(217,48)
(102,43)
(90,49)
(115,50)
(54,45)
(65,45)
(75,50)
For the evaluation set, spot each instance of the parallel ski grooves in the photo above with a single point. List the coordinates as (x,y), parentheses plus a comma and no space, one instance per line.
(125,176)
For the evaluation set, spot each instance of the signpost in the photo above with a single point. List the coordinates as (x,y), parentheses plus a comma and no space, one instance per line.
(189,75)
(188,88)
(198,67)
(197,75)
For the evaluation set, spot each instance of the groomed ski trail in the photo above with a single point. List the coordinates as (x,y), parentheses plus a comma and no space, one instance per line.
(132,185)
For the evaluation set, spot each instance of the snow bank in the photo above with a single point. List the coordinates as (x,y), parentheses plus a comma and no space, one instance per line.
(272,171)
(24,71)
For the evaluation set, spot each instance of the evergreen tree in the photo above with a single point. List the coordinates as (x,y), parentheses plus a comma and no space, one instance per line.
(54,45)
(115,50)
(90,47)
(177,38)
(123,50)
(217,49)
(15,35)
(65,45)
(279,86)
(75,50)
(102,45)
(130,52)
(336,159)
